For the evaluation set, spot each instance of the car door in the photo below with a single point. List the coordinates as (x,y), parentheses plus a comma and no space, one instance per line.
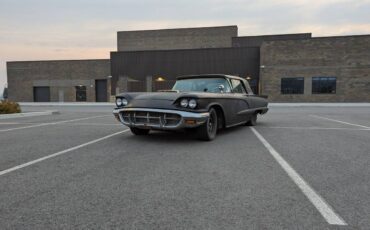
(242,102)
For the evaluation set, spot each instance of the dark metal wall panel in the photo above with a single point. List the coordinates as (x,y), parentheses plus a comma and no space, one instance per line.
(256,41)
(163,85)
(172,63)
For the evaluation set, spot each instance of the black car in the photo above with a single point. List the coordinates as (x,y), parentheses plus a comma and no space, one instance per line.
(202,102)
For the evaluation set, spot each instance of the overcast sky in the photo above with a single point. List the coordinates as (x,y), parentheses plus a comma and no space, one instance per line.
(82,29)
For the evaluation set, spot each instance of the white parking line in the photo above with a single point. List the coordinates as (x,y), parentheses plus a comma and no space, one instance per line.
(310,128)
(24,127)
(13,123)
(50,123)
(321,205)
(343,122)
(58,153)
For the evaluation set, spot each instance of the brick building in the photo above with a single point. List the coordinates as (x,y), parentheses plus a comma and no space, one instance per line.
(326,69)
(287,68)
(68,80)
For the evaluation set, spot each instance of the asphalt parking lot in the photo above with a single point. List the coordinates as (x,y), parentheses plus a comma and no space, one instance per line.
(300,168)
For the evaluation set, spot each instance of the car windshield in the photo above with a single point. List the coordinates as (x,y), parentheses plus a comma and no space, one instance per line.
(211,85)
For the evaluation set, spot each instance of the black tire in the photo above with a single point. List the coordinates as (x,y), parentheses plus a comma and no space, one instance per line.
(208,130)
(253,120)
(140,132)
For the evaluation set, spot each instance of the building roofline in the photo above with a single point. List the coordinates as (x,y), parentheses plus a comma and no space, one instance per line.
(343,36)
(183,28)
(273,35)
(61,60)
(322,37)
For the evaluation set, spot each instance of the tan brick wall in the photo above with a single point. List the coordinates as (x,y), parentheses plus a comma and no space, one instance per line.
(58,75)
(169,39)
(347,58)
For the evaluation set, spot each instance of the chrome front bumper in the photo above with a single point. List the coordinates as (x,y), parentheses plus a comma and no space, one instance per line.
(161,119)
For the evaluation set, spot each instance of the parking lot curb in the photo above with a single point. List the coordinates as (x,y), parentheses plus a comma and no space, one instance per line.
(319,104)
(66,104)
(30,114)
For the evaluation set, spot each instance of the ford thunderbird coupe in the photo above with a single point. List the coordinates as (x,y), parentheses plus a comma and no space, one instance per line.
(205,103)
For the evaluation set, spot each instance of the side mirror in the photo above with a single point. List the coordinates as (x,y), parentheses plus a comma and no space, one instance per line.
(221,88)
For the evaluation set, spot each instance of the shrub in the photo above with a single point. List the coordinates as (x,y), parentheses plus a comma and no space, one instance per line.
(9,107)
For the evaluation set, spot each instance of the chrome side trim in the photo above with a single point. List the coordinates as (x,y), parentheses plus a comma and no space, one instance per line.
(250,111)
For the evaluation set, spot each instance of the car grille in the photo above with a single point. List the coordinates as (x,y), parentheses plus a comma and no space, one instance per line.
(151,119)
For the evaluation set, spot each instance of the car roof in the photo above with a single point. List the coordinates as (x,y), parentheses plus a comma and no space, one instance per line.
(208,76)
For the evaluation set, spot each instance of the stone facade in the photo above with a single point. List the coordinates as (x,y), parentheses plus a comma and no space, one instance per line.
(169,39)
(60,76)
(347,58)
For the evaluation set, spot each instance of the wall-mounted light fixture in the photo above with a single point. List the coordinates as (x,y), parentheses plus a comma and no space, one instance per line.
(160,79)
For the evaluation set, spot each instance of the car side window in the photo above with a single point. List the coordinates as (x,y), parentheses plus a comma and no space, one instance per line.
(238,86)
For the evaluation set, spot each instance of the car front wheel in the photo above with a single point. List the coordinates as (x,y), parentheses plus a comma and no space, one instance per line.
(140,132)
(208,130)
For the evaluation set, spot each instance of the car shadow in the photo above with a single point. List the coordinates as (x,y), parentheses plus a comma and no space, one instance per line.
(182,137)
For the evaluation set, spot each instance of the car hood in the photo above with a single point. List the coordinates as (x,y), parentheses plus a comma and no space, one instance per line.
(168,96)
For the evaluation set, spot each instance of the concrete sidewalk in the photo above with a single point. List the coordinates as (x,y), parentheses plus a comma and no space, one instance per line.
(66,104)
(360,104)
(28,114)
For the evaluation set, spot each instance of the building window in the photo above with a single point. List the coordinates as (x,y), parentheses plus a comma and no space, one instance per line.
(324,85)
(80,93)
(292,85)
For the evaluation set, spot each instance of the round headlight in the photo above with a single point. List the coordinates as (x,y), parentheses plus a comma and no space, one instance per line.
(192,103)
(124,101)
(119,102)
(184,103)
